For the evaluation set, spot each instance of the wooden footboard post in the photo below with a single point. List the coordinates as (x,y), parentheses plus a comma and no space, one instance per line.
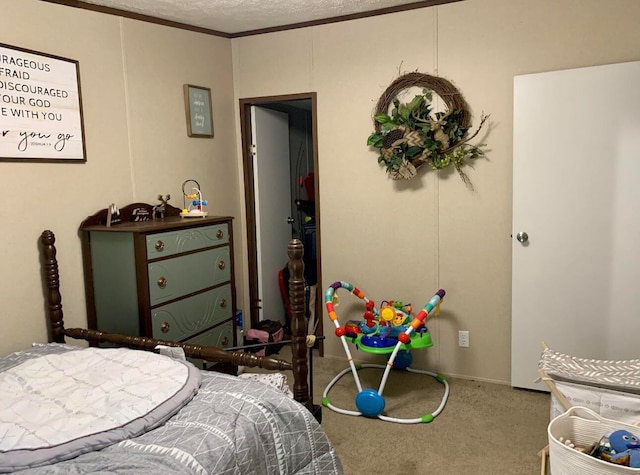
(52,278)
(298,324)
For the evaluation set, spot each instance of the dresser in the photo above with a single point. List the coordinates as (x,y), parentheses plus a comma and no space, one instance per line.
(169,278)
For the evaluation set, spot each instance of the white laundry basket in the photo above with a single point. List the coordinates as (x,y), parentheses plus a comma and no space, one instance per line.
(583,427)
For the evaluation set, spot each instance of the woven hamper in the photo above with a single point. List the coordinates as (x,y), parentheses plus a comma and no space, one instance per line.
(583,427)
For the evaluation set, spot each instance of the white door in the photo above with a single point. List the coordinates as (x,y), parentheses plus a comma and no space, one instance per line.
(576,193)
(272,179)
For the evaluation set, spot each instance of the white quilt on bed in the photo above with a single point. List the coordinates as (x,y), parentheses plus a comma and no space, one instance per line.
(101,395)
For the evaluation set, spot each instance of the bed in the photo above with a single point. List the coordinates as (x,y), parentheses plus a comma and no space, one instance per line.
(116,409)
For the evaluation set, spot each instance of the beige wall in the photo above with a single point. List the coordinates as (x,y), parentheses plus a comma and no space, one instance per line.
(405,240)
(393,240)
(132,75)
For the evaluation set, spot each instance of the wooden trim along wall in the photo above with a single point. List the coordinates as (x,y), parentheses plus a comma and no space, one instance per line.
(353,16)
(293,26)
(249,186)
(136,16)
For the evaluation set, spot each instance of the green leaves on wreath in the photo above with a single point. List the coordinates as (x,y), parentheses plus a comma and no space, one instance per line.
(413,133)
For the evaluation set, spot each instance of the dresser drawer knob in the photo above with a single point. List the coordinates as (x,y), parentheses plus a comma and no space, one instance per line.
(162,282)
(159,246)
(164,327)
(219,234)
(223,303)
(221,265)
(225,341)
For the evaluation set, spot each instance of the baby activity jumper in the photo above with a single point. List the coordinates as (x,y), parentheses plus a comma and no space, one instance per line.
(388,331)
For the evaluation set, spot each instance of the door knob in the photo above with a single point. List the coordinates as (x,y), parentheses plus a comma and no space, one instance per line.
(522,237)
(290,220)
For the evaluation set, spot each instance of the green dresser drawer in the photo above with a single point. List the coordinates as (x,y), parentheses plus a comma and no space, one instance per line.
(184,240)
(179,319)
(221,337)
(173,278)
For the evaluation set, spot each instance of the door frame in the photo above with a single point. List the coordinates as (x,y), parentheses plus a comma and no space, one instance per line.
(249,194)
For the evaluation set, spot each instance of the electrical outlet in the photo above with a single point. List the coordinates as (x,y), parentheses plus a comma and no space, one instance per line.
(463,339)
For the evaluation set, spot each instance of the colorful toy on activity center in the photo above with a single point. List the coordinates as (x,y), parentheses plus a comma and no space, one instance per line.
(390,331)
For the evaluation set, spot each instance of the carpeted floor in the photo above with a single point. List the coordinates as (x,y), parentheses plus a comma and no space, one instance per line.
(484,428)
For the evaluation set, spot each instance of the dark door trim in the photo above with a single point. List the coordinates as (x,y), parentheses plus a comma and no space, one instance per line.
(247,166)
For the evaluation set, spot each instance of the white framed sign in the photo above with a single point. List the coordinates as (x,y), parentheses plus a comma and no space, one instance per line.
(40,107)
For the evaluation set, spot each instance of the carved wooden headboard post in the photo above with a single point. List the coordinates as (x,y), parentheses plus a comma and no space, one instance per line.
(52,277)
(298,327)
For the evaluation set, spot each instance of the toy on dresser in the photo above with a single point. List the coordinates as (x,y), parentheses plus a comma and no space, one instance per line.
(194,209)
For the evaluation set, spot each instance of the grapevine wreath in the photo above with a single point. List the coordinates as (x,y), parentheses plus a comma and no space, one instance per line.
(412,134)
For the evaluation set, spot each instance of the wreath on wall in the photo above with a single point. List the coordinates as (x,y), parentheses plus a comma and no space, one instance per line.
(412,134)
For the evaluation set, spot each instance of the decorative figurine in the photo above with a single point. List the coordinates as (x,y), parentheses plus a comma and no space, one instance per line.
(140,214)
(158,210)
(113,215)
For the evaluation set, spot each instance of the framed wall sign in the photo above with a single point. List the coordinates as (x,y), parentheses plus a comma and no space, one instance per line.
(198,107)
(40,107)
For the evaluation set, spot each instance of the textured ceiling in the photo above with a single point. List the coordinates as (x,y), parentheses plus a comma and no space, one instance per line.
(237,16)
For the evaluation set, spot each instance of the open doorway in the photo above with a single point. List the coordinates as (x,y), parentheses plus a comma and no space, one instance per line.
(260,121)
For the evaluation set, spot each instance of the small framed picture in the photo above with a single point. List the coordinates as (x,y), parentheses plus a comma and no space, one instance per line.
(198,108)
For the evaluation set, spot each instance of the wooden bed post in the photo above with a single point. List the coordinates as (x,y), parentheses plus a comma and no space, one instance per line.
(52,277)
(298,323)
